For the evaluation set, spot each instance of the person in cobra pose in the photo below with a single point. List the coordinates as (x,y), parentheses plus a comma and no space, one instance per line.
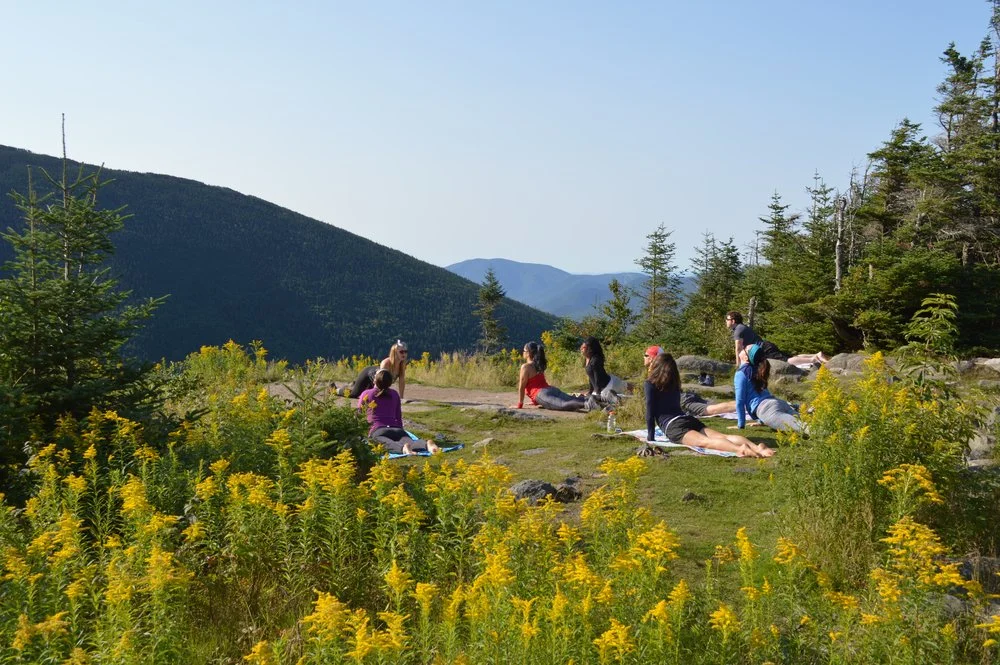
(531,382)
(395,363)
(753,397)
(604,387)
(384,412)
(663,408)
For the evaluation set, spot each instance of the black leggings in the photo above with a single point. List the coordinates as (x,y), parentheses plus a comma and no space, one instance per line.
(365,380)
(394,438)
(556,400)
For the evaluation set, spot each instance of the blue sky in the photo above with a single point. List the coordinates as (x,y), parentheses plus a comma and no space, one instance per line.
(548,132)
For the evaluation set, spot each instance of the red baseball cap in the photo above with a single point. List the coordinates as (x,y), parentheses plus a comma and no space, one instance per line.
(653,351)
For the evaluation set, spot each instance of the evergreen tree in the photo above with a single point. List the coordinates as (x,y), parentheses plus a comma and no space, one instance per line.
(63,321)
(617,313)
(660,293)
(718,272)
(491,294)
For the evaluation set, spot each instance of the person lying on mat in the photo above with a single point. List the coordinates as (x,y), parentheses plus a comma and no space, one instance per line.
(663,408)
(384,411)
(531,382)
(395,363)
(691,403)
(603,386)
(752,396)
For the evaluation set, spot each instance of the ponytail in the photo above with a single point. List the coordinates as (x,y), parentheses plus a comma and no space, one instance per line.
(537,354)
(383,379)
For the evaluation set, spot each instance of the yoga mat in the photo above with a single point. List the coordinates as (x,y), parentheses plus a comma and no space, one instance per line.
(662,442)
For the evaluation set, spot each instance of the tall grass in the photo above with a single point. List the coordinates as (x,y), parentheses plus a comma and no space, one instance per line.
(236,542)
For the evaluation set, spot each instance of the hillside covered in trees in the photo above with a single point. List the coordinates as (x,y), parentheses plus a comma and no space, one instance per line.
(850,271)
(236,267)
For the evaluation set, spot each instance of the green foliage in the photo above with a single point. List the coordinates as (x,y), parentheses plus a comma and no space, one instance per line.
(492,334)
(617,312)
(859,432)
(718,272)
(660,294)
(63,318)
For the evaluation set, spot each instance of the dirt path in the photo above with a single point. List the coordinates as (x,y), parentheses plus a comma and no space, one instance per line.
(419,398)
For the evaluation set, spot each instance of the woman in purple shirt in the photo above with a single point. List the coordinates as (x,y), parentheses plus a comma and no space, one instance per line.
(384,411)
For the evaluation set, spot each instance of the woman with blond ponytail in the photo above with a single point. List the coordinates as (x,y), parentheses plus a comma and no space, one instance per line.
(395,363)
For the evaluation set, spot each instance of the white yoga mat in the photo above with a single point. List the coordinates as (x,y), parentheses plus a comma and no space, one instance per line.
(662,442)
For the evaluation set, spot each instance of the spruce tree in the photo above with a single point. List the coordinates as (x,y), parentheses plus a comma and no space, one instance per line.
(660,294)
(63,320)
(617,313)
(491,294)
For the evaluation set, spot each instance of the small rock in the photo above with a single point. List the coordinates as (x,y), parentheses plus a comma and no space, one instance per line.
(568,493)
(690,496)
(533,490)
(533,451)
(484,443)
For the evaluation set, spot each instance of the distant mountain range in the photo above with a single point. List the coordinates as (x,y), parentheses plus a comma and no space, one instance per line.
(237,267)
(551,289)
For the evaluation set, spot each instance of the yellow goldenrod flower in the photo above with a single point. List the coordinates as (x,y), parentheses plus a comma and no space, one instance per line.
(842,600)
(395,635)
(680,594)
(206,489)
(261,654)
(328,619)
(75,483)
(218,467)
(724,620)
(424,595)
(743,545)
(399,582)
(992,626)
(786,552)
(616,642)
(870,619)
(133,494)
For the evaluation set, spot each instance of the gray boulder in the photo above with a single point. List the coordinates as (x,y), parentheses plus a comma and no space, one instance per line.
(699,364)
(537,490)
(847,363)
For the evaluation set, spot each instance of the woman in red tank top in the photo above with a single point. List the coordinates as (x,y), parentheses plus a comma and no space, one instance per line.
(532,383)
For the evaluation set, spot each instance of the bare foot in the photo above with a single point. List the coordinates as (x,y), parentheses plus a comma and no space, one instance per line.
(407,450)
(433,448)
(746,451)
(764,451)
(822,358)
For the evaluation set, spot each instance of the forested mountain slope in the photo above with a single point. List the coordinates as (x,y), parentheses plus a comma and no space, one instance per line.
(237,267)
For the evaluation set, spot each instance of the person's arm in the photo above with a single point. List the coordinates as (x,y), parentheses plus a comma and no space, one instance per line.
(650,411)
(742,389)
(522,384)
(591,370)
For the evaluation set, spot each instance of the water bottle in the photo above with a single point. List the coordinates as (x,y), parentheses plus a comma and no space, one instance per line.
(612,423)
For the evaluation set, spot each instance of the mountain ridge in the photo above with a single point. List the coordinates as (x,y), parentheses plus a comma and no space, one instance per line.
(238,267)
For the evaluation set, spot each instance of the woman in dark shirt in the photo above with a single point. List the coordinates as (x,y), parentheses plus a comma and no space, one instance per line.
(603,386)
(663,408)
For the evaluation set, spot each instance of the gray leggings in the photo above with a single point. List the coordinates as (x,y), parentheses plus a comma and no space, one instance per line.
(557,400)
(779,415)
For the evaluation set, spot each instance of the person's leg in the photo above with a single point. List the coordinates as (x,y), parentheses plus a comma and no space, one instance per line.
(556,400)
(693,405)
(393,439)
(780,415)
(808,359)
(720,408)
(364,381)
(733,443)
